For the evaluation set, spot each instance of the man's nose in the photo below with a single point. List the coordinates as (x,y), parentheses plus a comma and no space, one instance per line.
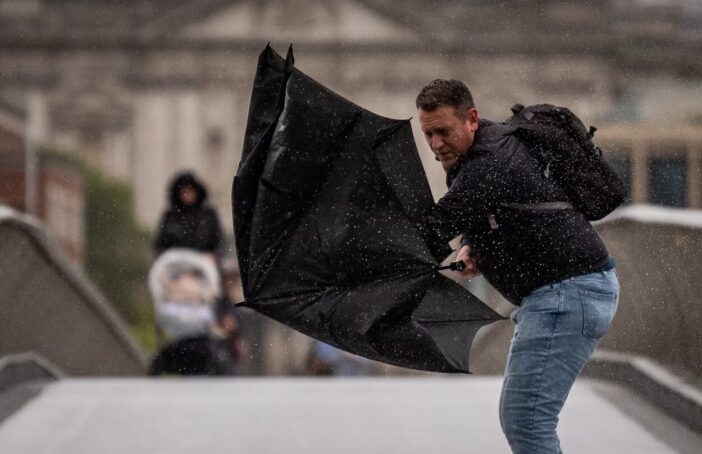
(436,143)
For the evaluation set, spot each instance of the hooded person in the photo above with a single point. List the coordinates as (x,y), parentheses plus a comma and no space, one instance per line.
(189,222)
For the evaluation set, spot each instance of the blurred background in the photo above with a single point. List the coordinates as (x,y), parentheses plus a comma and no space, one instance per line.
(102,102)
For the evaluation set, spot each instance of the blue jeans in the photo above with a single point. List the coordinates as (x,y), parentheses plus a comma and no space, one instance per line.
(557,328)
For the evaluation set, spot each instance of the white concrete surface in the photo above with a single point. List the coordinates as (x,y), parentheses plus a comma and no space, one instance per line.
(300,415)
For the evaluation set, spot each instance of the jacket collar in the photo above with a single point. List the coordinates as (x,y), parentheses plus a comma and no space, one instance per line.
(484,133)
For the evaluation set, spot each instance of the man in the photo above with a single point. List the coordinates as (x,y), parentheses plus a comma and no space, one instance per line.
(536,251)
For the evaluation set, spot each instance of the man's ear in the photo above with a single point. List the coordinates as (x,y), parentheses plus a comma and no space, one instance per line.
(472,119)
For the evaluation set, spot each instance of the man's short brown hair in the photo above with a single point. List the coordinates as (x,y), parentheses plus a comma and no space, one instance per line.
(445,92)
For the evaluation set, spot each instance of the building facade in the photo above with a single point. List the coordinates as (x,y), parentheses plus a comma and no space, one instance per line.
(143,89)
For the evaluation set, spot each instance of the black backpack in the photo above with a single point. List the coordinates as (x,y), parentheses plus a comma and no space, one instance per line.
(564,147)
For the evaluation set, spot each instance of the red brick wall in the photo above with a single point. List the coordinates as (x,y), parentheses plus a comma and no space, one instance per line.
(60,204)
(10,142)
(11,169)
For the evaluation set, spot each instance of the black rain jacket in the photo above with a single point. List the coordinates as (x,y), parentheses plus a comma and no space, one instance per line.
(192,227)
(517,248)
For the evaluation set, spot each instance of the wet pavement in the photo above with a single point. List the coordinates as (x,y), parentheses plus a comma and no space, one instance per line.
(331,416)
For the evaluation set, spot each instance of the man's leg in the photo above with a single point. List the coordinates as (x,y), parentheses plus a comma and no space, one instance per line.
(557,328)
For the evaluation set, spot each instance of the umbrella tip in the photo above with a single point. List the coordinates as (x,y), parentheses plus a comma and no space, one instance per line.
(290,57)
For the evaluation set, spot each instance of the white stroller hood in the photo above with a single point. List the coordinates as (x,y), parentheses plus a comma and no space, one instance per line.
(184,286)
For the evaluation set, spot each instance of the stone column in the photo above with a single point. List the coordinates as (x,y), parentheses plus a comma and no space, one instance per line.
(188,132)
(117,147)
(36,131)
(153,155)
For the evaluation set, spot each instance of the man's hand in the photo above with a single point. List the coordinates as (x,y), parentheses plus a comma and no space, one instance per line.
(471,269)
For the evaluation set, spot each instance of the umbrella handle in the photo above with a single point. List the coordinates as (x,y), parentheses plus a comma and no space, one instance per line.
(454,266)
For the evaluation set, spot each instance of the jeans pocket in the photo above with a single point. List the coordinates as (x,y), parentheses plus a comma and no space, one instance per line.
(598,312)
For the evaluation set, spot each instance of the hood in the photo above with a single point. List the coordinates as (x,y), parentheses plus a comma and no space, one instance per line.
(186,179)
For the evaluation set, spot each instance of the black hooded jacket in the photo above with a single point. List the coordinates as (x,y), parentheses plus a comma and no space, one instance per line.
(517,248)
(191,227)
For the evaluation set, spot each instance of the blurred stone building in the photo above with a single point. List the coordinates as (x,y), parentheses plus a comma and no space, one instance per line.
(143,88)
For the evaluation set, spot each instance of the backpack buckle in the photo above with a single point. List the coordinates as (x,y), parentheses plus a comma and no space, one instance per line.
(493,222)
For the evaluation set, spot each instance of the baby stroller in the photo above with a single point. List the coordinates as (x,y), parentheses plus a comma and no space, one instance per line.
(185,286)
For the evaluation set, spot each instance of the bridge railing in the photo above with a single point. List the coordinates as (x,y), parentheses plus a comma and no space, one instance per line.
(47,306)
(659,262)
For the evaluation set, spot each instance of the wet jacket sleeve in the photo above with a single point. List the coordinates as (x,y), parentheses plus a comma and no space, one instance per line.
(462,210)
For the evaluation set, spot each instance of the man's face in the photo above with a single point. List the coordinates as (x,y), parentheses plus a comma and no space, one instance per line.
(448,134)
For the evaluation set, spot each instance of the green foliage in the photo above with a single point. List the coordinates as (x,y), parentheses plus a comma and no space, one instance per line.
(117,252)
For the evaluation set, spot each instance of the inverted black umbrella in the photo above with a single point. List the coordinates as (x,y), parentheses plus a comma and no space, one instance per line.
(327,201)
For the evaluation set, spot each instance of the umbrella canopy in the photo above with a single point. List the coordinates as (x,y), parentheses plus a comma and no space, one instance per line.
(328,200)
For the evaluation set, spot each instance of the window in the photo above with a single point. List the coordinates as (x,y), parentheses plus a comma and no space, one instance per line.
(214,139)
(621,164)
(667,182)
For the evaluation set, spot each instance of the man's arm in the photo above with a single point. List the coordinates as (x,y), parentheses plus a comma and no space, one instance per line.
(461,210)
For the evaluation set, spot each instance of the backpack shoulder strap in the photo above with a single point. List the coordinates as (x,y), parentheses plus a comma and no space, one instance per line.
(541,207)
